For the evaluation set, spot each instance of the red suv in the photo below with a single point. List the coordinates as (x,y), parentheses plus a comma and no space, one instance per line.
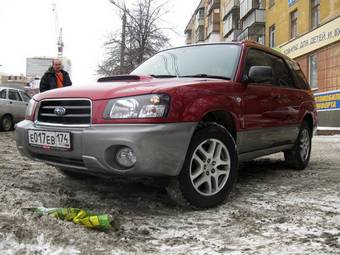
(190,113)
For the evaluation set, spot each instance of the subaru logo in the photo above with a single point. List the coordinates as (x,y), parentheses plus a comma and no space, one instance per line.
(60,111)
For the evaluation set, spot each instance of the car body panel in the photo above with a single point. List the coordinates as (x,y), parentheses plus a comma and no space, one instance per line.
(16,109)
(266,118)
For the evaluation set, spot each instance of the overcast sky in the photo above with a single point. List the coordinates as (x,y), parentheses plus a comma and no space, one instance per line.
(27,30)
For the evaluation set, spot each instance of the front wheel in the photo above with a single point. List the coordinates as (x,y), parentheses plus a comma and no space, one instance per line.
(298,157)
(209,171)
(6,123)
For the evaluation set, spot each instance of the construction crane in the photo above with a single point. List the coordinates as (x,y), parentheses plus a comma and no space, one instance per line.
(59,31)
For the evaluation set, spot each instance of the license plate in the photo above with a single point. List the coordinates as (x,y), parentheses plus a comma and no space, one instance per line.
(50,139)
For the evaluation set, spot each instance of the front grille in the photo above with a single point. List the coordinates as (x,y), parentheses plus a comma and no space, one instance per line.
(78,112)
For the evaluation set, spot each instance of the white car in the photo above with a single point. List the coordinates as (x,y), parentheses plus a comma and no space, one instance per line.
(13,104)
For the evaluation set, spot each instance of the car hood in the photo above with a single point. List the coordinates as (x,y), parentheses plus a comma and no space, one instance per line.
(108,90)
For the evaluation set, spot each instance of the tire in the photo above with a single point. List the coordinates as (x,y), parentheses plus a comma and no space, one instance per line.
(6,123)
(73,174)
(298,157)
(209,171)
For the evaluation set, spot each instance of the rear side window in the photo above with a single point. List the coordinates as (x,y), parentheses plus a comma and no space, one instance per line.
(14,95)
(25,97)
(3,94)
(299,77)
(283,76)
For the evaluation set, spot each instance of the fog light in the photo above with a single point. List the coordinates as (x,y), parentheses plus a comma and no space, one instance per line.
(126,157)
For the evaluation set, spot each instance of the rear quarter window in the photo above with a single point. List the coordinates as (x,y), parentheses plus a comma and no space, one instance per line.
(299,77)
(282,74)
(25,97)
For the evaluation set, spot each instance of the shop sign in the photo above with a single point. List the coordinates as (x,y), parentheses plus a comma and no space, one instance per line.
(318,38)
(328,100)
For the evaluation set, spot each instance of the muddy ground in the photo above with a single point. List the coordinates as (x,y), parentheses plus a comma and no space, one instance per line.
(273,210)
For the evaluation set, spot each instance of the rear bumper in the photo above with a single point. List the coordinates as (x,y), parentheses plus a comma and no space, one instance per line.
(160,148)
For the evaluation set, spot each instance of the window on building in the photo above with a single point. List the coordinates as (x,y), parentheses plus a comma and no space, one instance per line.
(313,71)
(272,36)
(200,34)
(228,24)
(293,24)
(315,13)
(260,39)
(200,14)
(260,4)
(271,3)
(188,34)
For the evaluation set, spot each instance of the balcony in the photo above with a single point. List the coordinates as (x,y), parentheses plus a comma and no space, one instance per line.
(256,16)
(213,4)
(230,23)
(246,6)
(199,22)
(213,22)
(254,33)
(199,35)
(213,28)
(232,37)
(230,6)
(188,39)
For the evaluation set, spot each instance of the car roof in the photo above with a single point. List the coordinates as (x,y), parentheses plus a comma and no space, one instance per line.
(246,43)
(11,88)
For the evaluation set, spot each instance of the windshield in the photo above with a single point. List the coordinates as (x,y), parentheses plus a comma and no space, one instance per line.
(219,60)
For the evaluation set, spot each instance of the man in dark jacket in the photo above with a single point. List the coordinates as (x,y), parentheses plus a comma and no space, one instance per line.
(55,77)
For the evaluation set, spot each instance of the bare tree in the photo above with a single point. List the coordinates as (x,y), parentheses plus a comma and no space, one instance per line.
(141,36)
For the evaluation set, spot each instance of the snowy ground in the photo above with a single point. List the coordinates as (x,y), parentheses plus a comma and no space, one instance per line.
(273,210)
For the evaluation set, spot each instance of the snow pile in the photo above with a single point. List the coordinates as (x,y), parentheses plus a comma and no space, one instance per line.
(10,245)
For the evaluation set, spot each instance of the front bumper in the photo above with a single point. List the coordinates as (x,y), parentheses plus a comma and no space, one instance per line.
(160,148)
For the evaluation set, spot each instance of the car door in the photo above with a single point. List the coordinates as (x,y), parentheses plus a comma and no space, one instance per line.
(17,105)
(288,101)
(260,108)
(3,102)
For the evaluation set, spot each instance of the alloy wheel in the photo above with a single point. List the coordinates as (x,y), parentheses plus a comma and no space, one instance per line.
(210,167)
(304,144)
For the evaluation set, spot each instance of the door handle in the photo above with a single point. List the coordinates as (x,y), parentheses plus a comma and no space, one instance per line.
(10,102)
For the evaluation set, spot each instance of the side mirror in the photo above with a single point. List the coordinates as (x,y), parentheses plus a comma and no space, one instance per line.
(260,74)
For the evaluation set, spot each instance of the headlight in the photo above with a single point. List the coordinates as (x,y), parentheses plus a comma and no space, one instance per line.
(146,106)
(30,109)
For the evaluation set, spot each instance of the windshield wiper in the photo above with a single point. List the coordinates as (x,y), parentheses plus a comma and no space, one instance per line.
(203,75)
(163,76)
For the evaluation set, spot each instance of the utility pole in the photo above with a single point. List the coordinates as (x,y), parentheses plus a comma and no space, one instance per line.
(59,31)
(122,44)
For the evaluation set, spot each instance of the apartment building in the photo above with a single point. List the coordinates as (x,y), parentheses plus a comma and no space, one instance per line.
(227,20)
(204,25)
